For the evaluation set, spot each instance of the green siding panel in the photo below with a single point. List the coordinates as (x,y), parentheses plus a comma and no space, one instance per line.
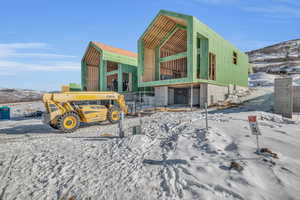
(173,57)
(103,77)
(83,74)
(157,64)
(119,58)
(120,78)
(111,72)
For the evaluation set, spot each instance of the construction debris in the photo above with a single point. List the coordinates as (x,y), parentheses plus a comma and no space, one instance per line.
(267,151)
(236,166)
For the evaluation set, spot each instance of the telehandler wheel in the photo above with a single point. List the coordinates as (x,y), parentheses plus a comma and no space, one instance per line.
(54,124)
(114,115)
(69,122)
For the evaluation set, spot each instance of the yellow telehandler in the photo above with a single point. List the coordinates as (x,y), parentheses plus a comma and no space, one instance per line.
(65,111)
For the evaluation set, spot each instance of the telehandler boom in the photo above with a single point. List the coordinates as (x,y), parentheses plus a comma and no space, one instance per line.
(65,111)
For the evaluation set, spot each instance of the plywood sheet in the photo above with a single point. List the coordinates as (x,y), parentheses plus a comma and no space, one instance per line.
(149,64)
(92,78)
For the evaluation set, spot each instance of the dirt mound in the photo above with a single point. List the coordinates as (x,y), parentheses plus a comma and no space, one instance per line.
(18,95)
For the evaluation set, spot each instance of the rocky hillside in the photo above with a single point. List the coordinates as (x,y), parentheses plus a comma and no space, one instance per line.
(18,95)
(278,57)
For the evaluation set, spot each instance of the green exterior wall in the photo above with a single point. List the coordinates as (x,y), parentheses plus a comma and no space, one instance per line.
(126,64)
(226,72)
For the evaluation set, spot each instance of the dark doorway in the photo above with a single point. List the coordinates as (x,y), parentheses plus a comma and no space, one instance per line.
(180,96)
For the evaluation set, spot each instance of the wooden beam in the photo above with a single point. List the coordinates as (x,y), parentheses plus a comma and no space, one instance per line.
(174,57)
(165,39)
(111,72)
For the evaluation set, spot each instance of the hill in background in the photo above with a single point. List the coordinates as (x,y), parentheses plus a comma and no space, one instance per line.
(284,56)
(19,95)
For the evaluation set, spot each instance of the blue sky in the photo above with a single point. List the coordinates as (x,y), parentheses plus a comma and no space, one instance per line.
(42,41)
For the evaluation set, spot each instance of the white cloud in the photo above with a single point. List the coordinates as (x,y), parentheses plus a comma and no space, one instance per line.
(3,73)
(12,50)
(273,9)
(38,55)
(276,11)
(32,45)
(12,55)
(216,1)
(14,67)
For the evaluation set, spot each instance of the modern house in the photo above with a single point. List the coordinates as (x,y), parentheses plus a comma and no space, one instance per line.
(187,62)
(106,68)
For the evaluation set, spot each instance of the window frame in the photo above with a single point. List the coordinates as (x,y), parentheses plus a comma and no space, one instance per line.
(235,58)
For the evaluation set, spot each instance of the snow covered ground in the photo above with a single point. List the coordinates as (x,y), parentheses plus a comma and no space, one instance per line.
(175,158)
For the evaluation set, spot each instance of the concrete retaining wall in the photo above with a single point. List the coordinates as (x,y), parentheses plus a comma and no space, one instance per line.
(283,97)
(296,98)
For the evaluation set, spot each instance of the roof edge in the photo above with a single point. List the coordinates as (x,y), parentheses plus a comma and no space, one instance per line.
(167,13)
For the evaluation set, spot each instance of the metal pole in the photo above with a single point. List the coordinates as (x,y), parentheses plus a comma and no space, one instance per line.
(206,120)
(258,149)
(141,123)
(121,131)
(140,96)
(191,97)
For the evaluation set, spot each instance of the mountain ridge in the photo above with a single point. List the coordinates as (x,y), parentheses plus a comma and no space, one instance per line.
(274,57)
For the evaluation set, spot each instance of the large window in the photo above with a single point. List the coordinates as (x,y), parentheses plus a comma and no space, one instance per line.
(212,66)
(198,56)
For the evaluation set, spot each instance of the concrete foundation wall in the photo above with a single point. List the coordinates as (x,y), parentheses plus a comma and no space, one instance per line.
(196,93)
(209,93)
(296,98)
(216,93)
(212,94)
(283,99)
(161,95)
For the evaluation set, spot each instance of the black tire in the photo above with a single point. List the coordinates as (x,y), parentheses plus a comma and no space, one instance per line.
(73,122)
(111,115)
(54,126)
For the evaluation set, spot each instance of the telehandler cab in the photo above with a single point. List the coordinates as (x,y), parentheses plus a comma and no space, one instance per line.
(65,111)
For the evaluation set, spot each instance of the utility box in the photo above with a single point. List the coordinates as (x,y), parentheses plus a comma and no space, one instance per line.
(4,113)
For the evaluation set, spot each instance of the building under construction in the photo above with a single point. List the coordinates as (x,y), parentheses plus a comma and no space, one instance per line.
(186,62)
(106,68)
(179,58)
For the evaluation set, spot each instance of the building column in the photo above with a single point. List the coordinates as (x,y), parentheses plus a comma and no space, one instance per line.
(102,78)
(120,78)
(161,96)
(192,96)
(203,94)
